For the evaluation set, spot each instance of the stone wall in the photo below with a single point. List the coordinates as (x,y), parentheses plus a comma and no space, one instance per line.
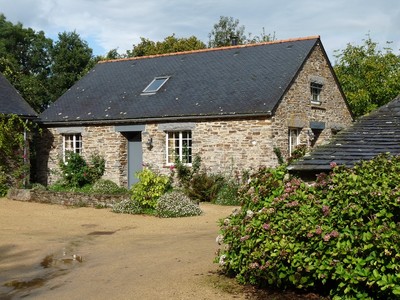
(297,111)
(65,198)
(224,146)
(103,140)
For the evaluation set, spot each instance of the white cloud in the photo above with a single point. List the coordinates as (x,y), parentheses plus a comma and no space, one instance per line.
(108,24)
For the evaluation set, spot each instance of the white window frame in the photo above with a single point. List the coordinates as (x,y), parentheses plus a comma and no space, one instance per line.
(177,136)
(315,89)
(72,142)
(294,139)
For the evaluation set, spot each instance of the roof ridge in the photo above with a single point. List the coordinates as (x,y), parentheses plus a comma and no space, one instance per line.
(213,49)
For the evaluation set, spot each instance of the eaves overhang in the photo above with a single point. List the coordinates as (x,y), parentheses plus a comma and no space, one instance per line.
(152,120)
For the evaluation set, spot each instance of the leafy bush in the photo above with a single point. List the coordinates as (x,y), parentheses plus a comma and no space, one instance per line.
(196,183)
(228,194)
(340,236)
(76,172)
(128,207)
(150,187)
(3,183)
(105,186)
(176,204)
(13,156)
(204,187)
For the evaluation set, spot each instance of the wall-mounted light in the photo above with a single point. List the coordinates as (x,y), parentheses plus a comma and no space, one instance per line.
(149,143)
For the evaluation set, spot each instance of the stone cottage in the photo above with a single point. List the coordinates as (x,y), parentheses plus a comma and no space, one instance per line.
(231,106)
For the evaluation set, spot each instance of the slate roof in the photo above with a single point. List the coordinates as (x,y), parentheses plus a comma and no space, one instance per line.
(232,81)
(376,133)
(11,102)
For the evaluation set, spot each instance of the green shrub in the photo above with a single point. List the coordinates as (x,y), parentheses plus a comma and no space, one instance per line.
(176,204)
(228,194)
(3,183)
(150,187)
(127,207)
(340,236)
(204,187)
(105,186)
(76,172)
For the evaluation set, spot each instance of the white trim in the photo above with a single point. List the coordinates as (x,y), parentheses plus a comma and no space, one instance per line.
(295,131)
(178,135)
(74,148)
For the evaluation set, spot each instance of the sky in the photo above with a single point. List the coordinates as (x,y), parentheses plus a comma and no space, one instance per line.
(110,24)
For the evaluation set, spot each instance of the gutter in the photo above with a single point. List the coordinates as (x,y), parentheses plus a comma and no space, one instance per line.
(151,120)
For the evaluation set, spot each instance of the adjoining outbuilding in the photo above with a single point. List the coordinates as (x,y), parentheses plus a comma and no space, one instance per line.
(231,106)
(11,102)
(371,135)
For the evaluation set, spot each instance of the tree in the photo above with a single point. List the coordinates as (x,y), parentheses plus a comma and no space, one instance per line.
(170,44)
(25,61)
(369,77)
(72,58)
(226,31)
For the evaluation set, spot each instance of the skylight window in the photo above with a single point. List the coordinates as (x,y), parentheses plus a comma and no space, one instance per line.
(155,85)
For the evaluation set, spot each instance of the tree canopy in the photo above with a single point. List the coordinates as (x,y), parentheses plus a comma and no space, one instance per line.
(169,45)
(40,69)
(72,58)
(228,31)
(369,77)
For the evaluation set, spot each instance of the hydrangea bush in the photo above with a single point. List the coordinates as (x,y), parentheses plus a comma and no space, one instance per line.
(176,204)
(340,236)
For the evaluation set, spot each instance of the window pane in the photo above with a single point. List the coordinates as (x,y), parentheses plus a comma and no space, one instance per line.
(155,85)
(179,145)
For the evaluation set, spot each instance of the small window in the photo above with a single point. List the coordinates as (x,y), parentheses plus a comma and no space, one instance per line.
(155,85)
(179,145)
(294,139)
(315,92)
(72,143)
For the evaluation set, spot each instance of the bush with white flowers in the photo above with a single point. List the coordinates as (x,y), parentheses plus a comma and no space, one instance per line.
(176,204)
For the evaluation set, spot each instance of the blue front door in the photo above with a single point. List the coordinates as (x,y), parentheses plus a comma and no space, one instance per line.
(135,156)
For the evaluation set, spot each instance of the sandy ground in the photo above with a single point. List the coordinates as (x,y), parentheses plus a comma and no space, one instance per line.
(54,252)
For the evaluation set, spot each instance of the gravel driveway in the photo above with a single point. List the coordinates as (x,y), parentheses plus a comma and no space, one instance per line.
(55,252)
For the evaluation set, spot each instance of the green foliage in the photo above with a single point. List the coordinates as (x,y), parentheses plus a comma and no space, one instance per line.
(3,183)
(150,187)
(339,236)
(76,172)
(227,29)
(170,44)
(204,187)
(176,204)
(13,157)
(25,61)
(72,58)
(369,77)
(228,194)
(224,31)
(196,182)
(40,70)
(105,186)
